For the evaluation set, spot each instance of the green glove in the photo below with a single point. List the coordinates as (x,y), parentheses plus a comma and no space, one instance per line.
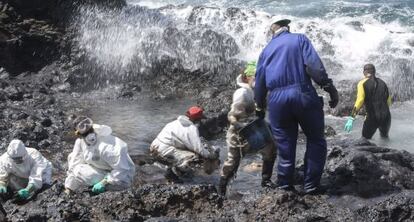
(349,124)
(99,187)
(3,189)
(25,193)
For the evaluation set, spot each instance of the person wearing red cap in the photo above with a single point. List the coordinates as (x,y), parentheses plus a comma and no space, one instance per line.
(179,145)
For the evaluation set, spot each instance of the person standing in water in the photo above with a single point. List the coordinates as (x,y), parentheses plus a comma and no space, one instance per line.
(373,92)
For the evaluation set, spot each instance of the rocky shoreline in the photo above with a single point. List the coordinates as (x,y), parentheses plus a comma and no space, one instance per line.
(40,70)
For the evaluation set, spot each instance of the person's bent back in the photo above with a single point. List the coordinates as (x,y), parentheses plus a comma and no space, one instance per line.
(179,146)
(24,169)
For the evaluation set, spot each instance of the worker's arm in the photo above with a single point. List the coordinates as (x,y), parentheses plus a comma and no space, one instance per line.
(75,158)
(313,63)
(360,98)
(118,158)
(260,89)
(4,175)
(193,142)
(36,173)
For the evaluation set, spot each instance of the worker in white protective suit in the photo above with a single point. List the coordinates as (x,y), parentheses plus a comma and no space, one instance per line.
(241,114)
(24,170)
(98,159)
(179,146)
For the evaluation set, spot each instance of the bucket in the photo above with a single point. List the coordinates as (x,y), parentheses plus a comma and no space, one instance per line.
(257,134)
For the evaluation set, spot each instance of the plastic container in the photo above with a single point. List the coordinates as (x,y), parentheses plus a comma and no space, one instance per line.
(257,134)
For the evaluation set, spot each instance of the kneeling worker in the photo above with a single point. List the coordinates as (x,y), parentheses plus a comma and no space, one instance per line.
(373,92)
(98,159)
(241,114)
(179,146)
(24,170)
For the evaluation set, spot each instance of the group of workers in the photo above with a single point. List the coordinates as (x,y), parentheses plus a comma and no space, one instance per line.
(280,82)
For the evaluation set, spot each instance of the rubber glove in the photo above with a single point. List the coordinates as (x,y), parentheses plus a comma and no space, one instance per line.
(3,189)
(25,193)
(349,124)
(333,94)
(99,187)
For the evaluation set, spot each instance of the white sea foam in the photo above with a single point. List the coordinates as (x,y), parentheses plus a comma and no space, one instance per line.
(345,43)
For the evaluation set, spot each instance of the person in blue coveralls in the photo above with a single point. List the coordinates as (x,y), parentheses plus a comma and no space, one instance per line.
(285,69)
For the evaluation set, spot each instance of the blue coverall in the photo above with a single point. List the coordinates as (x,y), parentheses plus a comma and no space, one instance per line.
(284,73)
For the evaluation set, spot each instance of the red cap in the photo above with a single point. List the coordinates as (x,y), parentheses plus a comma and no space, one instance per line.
(195,113)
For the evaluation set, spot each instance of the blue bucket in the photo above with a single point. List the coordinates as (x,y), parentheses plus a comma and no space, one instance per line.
(257,134)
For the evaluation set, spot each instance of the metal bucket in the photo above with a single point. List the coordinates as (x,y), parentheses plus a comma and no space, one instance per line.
(257,134)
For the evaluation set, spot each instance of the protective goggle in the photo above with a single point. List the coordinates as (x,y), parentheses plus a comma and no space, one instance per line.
(18,159)
(77,133)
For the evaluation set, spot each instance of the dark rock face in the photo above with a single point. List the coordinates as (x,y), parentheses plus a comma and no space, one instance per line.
(35,113)
(148,201)
(399,207)
(32,34)
(26,44)
(369,171)
(347,95)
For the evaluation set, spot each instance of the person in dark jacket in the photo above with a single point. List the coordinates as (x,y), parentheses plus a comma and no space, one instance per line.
(285,69)
(373,92)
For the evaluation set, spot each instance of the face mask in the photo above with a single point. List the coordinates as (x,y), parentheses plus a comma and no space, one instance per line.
(18,160)
(91,139)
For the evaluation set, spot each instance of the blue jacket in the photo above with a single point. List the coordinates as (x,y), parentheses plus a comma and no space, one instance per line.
(289,59)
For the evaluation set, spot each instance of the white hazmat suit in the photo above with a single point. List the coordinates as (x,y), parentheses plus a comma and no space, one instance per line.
(108,157)
(178,145)
(34,169)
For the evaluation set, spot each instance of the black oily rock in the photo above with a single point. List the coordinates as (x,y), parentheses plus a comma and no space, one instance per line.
(46,122)
(398,207)
(143,203)
(40,133)
(14,93)
(368,171)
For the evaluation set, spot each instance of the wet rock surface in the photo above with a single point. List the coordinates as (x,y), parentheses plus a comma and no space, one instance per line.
(362,170)
(399,207)
(37,97)
(366,170)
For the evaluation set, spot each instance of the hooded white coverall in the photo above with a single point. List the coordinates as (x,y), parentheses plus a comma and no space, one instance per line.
(88,165)
(242,112)
(178,146)
(34,169)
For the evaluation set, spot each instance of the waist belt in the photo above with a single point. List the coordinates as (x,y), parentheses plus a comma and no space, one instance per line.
(303,86)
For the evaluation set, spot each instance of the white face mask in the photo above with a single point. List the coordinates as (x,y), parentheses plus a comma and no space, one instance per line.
(91,139)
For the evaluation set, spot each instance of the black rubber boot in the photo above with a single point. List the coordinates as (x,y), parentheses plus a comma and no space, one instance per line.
(319,190)
(172,177)
(267,170)
(222,187)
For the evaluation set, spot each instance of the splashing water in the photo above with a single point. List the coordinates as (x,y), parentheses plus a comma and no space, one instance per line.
(130,42)
(137,41)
